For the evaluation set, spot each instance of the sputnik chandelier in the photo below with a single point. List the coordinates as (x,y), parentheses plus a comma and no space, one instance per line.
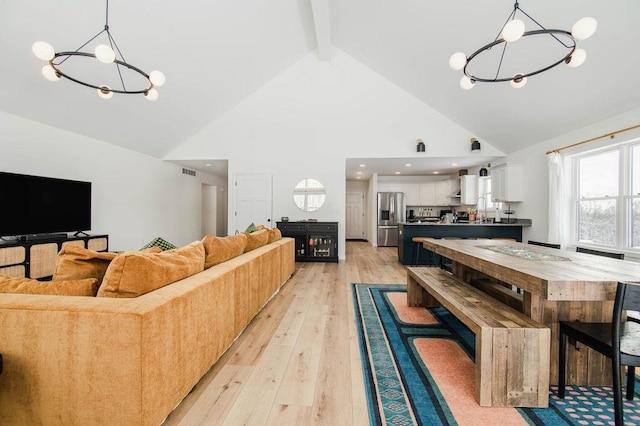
(107,54)
(512,31)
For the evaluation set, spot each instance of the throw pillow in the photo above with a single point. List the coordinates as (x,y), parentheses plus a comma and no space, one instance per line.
(221,249)
(251,228)
(86,287)
(132,274)
(256,239)
(274,235)
(159,242)
(74,263)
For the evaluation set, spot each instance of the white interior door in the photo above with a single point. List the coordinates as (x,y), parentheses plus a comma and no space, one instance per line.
(209,210)
(254,201)
(354,228)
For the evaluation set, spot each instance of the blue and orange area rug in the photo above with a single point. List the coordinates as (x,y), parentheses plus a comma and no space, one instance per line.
(418,369)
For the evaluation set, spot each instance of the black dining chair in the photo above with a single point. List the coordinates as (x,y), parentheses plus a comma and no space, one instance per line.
(600,253)
(539,243)
(618,340)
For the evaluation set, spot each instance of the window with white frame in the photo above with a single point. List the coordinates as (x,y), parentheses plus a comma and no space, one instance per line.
(607,197)
(485,201)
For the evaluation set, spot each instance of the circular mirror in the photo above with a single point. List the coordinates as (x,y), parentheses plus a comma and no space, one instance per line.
(309,195)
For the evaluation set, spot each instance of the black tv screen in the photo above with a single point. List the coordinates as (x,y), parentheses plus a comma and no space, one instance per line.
(38,205)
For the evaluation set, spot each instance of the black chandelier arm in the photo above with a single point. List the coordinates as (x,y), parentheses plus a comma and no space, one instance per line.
(118,62)
(521,75)
(504,50)
(112,42)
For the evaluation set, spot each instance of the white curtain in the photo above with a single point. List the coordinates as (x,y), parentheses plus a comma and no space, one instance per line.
(559,204)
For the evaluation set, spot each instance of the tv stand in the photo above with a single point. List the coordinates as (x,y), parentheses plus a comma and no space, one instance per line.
(34,256)
(40,237)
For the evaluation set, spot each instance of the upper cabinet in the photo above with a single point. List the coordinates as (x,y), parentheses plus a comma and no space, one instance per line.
(411,197)
(468,189)
(439,193)
(506,183)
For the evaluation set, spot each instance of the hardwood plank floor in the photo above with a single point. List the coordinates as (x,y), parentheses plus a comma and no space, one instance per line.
(298,361)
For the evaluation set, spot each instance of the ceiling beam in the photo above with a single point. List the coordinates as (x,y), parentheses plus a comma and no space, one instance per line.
(323,28)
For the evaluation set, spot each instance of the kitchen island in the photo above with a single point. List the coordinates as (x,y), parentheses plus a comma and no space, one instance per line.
(406,231)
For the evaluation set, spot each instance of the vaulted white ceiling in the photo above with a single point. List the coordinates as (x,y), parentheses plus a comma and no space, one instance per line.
(216,53)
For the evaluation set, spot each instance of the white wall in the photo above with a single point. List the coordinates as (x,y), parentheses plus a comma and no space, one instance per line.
(135,197)
(313,116)
(533,159)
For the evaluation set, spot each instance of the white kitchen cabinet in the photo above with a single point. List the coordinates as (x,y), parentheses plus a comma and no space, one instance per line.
(427,194)
(442,192)
(468,189)
(396,187)
(384,187)
(506,183)
(411,196)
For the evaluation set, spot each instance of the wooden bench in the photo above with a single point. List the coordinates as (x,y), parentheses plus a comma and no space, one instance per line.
(512,350)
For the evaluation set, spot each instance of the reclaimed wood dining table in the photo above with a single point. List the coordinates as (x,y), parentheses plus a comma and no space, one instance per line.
(554,285)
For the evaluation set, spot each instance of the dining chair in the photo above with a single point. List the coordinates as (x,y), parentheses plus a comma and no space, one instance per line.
(618,340)
(539,243)
(600,253)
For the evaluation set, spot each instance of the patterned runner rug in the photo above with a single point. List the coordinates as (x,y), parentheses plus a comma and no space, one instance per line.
(418,369)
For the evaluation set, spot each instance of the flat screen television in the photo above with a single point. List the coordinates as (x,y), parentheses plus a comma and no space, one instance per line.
(42,205)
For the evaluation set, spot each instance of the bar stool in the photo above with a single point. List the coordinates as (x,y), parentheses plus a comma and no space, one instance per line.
(417,243)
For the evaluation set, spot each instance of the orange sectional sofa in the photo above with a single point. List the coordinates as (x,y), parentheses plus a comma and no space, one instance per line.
(128,361)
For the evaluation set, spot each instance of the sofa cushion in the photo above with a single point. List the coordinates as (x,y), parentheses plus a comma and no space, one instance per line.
(132,274)
(84,287)
(221,249)
(256,239)
(75,263)
(274,235)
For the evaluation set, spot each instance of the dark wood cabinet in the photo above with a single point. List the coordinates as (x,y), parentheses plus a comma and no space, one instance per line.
(315,241)
(37,258)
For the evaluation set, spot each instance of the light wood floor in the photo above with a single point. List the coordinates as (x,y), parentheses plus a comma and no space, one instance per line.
(298,362)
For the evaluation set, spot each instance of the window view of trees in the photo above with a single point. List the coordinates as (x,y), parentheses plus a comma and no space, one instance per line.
(608,202)
(597,207)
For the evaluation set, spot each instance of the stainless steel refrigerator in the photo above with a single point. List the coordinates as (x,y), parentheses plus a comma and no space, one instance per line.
(390,213)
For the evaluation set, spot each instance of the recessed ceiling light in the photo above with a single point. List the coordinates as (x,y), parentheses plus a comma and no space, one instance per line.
(454,164)
(408,165)
(397,173)
(436,172)
(359,173)
(208,164)
(363,165)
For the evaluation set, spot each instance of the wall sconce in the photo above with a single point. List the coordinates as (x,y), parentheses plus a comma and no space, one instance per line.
(475,145)
(420,147)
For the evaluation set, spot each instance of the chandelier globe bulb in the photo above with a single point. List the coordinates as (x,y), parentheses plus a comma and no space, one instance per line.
(151,95)
(457,61)
(513,30)
(157,78)
(105,54)
(43,50)
(518,81)
(466,83)
(49,73)
(584,28)
(105,92)
(577,58)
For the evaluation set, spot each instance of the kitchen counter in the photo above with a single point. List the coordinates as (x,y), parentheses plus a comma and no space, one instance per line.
(406,231)
(512,222)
